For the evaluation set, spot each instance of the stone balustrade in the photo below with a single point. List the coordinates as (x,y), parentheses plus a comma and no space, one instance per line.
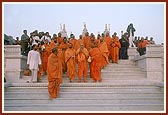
(152,62)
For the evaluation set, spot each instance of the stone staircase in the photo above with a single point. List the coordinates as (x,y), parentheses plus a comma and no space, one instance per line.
(124,88)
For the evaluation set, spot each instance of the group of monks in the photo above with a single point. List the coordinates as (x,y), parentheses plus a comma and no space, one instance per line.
(79,51)
(62,55)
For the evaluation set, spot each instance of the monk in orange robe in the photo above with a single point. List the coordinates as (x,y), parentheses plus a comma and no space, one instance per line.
(64,46)
(52,45)
(107,39)
(104,51)
(87,41)
(59,38)
(82,56)
(54,73)
(115,46)
(71,62)
(78,42)
(72,40)
(98,39)
(142,46)
(96,65)
(45,54)
(40,71)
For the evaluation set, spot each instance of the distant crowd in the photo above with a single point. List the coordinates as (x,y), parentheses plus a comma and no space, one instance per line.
(26,41)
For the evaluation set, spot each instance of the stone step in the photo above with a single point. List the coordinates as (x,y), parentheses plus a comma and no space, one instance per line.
(107,74)
(84,107)
(121,70)
(125,62)
(113,83)
(134,100)
(103,95)
(104,78)
(85,89)
(121,65)
(110,75)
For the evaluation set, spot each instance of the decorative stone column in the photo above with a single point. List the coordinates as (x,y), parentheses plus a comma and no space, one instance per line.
(15,63)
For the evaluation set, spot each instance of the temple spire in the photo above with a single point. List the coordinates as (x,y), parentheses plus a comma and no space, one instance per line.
(84,29)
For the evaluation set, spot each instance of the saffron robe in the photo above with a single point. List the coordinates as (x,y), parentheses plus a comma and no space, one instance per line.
(82,63)
(54,75)
(71,63)
(115,46)
(96,65)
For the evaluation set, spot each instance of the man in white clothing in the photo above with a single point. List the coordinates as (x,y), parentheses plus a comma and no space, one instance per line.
(47,36)
(33,62)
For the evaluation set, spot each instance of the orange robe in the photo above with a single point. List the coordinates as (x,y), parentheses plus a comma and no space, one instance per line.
(52,45)
(115,46)
(77,44)
(97,41)
(45,54)
(144,43)
(54,75)
(59,40)
(95,66)
(63,46)
(87,42)
(104,51)
(71,63)
(40,71)
(73,42)
(108,40)
(82,63)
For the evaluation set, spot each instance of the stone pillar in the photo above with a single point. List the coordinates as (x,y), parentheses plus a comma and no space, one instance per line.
(15,63)
(132,52)
(154,62)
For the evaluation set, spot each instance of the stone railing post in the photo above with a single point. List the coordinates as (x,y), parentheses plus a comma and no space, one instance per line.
(15,63)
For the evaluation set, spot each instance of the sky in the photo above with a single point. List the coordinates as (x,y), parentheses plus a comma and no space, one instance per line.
(147,18)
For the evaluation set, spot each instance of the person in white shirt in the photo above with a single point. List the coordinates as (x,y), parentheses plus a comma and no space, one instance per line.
(47,36)
(35,39)
(33,62)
